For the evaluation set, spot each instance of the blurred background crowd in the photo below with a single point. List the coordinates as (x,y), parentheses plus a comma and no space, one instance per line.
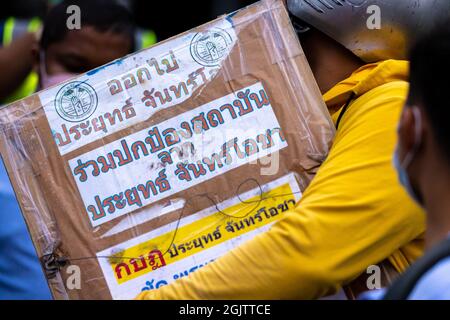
(156,16)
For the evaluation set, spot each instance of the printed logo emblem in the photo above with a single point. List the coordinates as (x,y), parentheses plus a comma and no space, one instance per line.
(76,101)
(209,47)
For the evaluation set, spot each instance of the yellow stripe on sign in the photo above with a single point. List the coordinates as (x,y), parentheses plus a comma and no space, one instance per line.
(202,234)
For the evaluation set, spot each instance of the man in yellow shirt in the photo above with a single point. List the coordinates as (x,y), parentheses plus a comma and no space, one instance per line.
(354,213)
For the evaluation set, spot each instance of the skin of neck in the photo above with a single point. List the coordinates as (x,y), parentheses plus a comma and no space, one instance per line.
(330,62)
(433,181)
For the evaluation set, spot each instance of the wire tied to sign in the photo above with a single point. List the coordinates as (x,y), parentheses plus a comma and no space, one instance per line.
(52,262)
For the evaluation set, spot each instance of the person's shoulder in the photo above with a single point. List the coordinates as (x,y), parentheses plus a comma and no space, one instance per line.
(434,284)
(389,92)
(387,81)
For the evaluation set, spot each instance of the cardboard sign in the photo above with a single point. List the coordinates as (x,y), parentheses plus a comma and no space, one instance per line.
(144,170)
(200,239)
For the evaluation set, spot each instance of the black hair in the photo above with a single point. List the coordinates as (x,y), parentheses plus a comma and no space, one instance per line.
(430,82)
(103,15)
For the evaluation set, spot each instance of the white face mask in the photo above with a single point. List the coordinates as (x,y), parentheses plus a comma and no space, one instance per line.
(51,80)
(402,166)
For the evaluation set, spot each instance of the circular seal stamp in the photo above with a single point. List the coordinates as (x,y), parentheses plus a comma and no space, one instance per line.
(76,101)
(209,47)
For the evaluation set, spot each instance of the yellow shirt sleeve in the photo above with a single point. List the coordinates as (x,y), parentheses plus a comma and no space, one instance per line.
(353,214)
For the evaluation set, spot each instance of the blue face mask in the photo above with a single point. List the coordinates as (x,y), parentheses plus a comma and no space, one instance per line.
(404,178)
(402,166)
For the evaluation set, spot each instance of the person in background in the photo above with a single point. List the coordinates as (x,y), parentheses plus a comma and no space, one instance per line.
(422,160)
(107,33)
(20,25)
(18,38)
(21,276)
(355,213)
(19,35)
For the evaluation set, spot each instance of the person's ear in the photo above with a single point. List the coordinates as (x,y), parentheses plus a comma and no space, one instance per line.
(406,132)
